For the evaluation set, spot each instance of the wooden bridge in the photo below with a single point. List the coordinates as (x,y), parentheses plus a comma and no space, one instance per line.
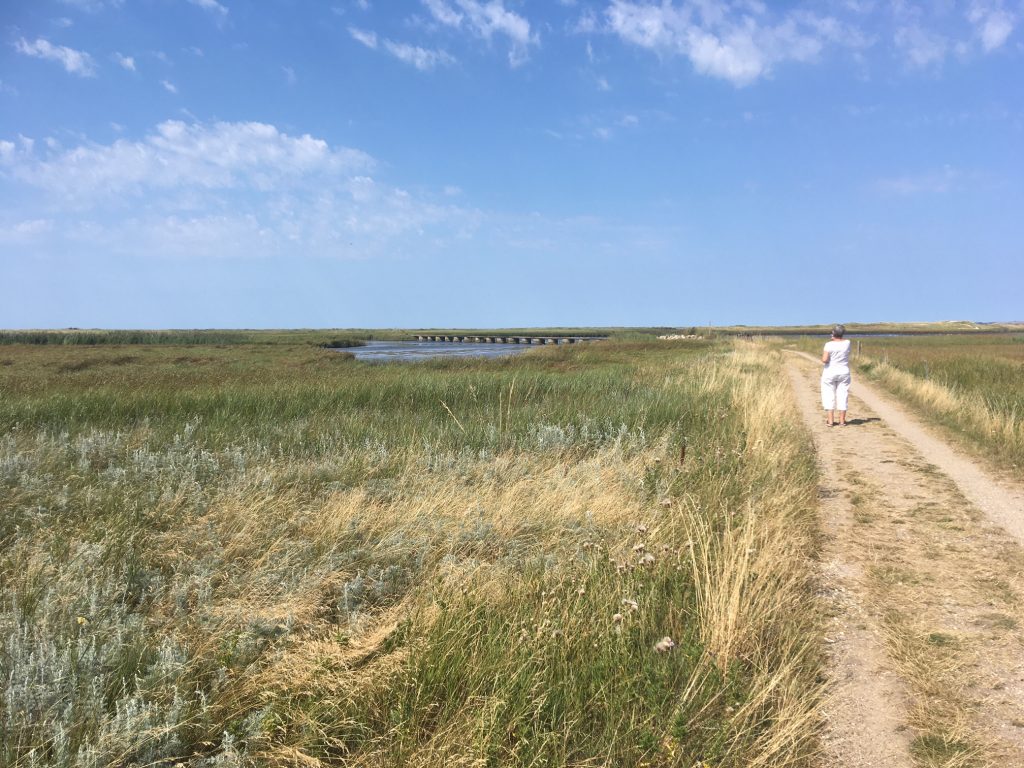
(505,339)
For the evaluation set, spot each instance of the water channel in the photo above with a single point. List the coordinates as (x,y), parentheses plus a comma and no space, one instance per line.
(397,351)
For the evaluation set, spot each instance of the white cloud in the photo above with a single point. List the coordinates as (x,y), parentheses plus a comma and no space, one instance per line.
(443,12)
(369,39)
(485,20)
(739,41)
(218,156)
(421,58)
(586,24)
(212,6)
(921,47)
(93,6)
(224,189)
(993,25)
(169,86)
(127,62)
(289,75)
(76,62)
(24,231)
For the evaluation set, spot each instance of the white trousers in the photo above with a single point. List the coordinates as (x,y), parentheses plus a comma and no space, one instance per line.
(835,391)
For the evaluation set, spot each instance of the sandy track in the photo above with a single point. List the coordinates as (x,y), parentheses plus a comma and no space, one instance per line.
(998,499)
(924,574)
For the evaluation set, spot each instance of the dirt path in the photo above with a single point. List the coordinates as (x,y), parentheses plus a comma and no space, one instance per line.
(924,573)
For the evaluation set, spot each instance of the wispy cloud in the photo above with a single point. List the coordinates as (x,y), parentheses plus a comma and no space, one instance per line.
(127,62)
(921,47)
(992,23)
(485,20)
(76,62)
(93,6)
(369,39)
(169,86)
(423,59)
(212,6)
(24,231)
(222,155)
(738,41)
(932,183)
(223,189)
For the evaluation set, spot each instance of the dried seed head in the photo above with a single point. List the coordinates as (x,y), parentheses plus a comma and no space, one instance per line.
(666,502)
(640,547)
(581,591)
(641,528)
(633,605)
(664,645)
(647,559)
(616,618)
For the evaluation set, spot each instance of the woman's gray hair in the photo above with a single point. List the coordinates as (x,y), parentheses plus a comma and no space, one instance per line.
(838,331)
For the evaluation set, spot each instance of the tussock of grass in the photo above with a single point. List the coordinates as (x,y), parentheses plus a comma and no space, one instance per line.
(330,568)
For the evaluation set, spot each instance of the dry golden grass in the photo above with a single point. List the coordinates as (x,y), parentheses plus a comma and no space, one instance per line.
(490,585)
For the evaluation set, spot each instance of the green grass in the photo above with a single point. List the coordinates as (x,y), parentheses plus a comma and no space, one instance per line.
(972,386)
(270,553)
(969,384)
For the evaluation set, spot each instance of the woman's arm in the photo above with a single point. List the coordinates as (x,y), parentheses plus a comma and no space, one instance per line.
(824,356)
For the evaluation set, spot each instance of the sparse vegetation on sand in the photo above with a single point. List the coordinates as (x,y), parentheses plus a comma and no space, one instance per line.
(272,555)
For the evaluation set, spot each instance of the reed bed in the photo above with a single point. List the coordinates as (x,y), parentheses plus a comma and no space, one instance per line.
(276,556)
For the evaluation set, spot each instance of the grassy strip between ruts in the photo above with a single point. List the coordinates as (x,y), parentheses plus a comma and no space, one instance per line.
(284,558)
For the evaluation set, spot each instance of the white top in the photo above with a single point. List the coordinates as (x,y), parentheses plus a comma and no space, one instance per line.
(838,356)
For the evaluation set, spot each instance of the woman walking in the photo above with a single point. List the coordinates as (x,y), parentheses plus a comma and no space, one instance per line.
(835,378)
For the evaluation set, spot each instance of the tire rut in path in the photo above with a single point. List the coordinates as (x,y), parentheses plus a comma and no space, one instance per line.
(924,644)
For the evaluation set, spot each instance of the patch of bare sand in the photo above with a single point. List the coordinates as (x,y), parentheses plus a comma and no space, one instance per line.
(927,587)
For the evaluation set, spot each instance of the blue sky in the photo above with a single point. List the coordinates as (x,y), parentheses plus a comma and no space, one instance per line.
(289,163)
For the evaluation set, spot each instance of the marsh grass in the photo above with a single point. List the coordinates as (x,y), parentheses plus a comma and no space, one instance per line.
(970,384)
(973,387)
(267,554)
